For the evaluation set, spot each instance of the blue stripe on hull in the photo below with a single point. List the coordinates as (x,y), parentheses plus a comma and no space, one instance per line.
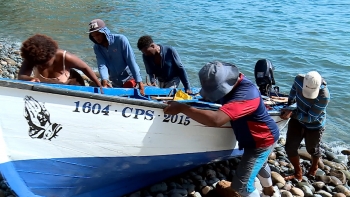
(99,176)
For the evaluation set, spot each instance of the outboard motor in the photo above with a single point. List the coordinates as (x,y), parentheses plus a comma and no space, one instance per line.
(263,73)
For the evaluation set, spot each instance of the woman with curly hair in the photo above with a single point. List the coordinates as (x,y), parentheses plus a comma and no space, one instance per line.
(50,64)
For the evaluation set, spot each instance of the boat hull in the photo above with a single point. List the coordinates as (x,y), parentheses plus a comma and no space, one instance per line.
(60,145)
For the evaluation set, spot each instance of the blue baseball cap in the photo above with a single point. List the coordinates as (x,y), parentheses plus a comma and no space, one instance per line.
(217,79)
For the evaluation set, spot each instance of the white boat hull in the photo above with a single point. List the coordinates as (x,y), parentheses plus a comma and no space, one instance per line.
(87,145)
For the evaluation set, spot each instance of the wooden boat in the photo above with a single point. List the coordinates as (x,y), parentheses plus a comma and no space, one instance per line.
(60,140)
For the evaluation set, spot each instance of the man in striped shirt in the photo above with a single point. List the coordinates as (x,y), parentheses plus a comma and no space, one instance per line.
(307,122)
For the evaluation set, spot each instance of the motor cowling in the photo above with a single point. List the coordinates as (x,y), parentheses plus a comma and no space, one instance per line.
(263,73)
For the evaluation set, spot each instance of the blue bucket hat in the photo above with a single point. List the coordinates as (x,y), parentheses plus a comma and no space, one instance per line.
(217,79)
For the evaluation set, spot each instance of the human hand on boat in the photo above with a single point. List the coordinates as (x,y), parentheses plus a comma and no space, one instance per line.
(142,89)
(35,80)
(105,84)
(101,90)
(286,114)
(173,108)
(189,91)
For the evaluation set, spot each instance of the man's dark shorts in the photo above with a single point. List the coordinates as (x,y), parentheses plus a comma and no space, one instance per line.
(296,133)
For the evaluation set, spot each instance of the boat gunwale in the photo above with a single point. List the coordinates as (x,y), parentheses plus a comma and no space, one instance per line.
(97,96)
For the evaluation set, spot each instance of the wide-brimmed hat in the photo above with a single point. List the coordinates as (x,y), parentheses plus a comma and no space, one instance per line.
(217,79)
(96,25)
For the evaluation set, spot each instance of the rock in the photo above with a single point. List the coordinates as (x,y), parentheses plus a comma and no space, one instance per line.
(304,154)
(190,188)
(175,195)
(278,148)
(10,61)
(136,194)
(280,185)
(282,141)
(287,186)
(171,186)
(272,156)
(328,189)
(337,166)
(339,195)
(325,179)
(3,185)
(286,194)
(282,163)
(277,178)
(158,188)
(274,169)
(281,153)
(326,169)
(178,192)
(347,174)
(223,188)
(345,152)
(206,190)
(297,192)
(323,193)
(307,191)
(320,172)
(212,181)
(342,189)
(196,194)
(301,184)
(210,174)
(202,183)
(197,178)
(330,156)
(339,174)
(339,161)
(3,63)
(160,195)
(335,181)
(318,185)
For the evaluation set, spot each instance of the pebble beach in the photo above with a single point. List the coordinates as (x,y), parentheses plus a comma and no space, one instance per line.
(332,177)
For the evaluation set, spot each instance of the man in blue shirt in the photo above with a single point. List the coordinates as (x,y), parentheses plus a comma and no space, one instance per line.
(307,122)
(163,63)
(115,57)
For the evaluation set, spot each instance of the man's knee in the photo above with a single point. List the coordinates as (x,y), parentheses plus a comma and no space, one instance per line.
(314,151)
(291,149)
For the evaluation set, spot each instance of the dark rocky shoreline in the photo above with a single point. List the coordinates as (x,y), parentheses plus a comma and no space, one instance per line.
(332,177)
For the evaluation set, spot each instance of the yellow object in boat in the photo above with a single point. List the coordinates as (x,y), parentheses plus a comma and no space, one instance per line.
(180,95)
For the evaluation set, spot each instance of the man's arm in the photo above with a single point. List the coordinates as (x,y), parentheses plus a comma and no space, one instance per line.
(129,57)
(181,70)
(25,72)
(206,117)
(316,110)
(149,70)
(230,111)
(101,65)
(292,93)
